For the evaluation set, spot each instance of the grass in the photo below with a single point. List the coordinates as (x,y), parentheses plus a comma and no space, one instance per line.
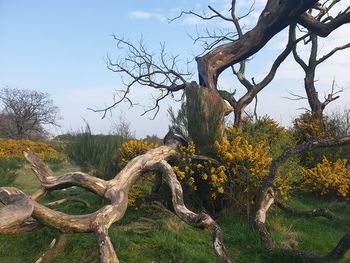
(149,234)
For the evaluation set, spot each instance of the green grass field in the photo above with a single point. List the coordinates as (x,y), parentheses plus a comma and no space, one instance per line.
(150,234)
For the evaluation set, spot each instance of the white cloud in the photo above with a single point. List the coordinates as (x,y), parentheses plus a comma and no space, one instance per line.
(139,14)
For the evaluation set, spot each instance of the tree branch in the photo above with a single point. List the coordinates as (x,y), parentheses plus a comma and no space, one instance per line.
(323,29)
(331,53)
(318,212)
(197,220)
(275,17)
(18,207)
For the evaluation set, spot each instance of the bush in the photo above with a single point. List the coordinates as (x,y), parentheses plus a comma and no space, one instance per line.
(264,130)
(327,178)
(133,148)
(97,154)
(234,180)
(8,170)
(309,128)
(128,151)
(13,149)
(203,181)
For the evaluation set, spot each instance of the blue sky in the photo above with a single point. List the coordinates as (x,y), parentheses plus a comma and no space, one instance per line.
(59,47)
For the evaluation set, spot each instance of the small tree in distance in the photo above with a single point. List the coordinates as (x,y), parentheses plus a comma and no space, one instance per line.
(24,112)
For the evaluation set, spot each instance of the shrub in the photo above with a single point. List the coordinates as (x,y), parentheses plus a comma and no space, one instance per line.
(8,170)
(206,178)
(13,149)
(241,169)
(97,154)
(133,148)
(327,178)
(128,151)
(264,130)
(308,128)
(248,165)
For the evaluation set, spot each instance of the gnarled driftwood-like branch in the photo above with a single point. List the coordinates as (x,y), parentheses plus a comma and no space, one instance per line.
(23,213)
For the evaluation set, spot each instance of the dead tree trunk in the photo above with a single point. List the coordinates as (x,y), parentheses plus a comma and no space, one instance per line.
(205,114)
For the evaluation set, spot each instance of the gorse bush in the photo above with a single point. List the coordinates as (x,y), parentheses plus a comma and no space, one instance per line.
(204,177)
(307,128)
(13,149)
(233,178)
(97,154)
(248,165)
(127,152)
(327,178)
(133,148)
(264,130)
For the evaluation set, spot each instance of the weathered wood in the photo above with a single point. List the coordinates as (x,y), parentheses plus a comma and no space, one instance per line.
(51,182)
(197,220)
(18,209)
(68,199)
(27,226)
(56,247)
(317,212)
(105,247)
(115,190)
(260,218)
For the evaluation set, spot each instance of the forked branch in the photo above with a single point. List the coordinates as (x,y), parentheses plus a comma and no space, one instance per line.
(22,213)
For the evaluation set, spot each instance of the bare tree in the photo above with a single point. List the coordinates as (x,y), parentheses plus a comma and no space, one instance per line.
(23,213)
(222,50)
(211,39)
(310,65)
(26,111)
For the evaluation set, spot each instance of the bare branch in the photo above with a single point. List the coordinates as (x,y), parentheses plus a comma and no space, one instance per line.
(331,53)
(275,17)
(68,199)
(318,212)
(139,67)
(295,96)
(56,247)
(324,28)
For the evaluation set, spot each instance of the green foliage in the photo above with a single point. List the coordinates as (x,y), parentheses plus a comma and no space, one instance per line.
(95,153)
(178,121)
(8,170)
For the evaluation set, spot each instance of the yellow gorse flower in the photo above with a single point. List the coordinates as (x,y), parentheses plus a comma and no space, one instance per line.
(327,177)
(128,151)
(10,148)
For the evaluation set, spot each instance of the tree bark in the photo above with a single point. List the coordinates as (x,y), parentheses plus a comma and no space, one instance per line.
(205,113)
